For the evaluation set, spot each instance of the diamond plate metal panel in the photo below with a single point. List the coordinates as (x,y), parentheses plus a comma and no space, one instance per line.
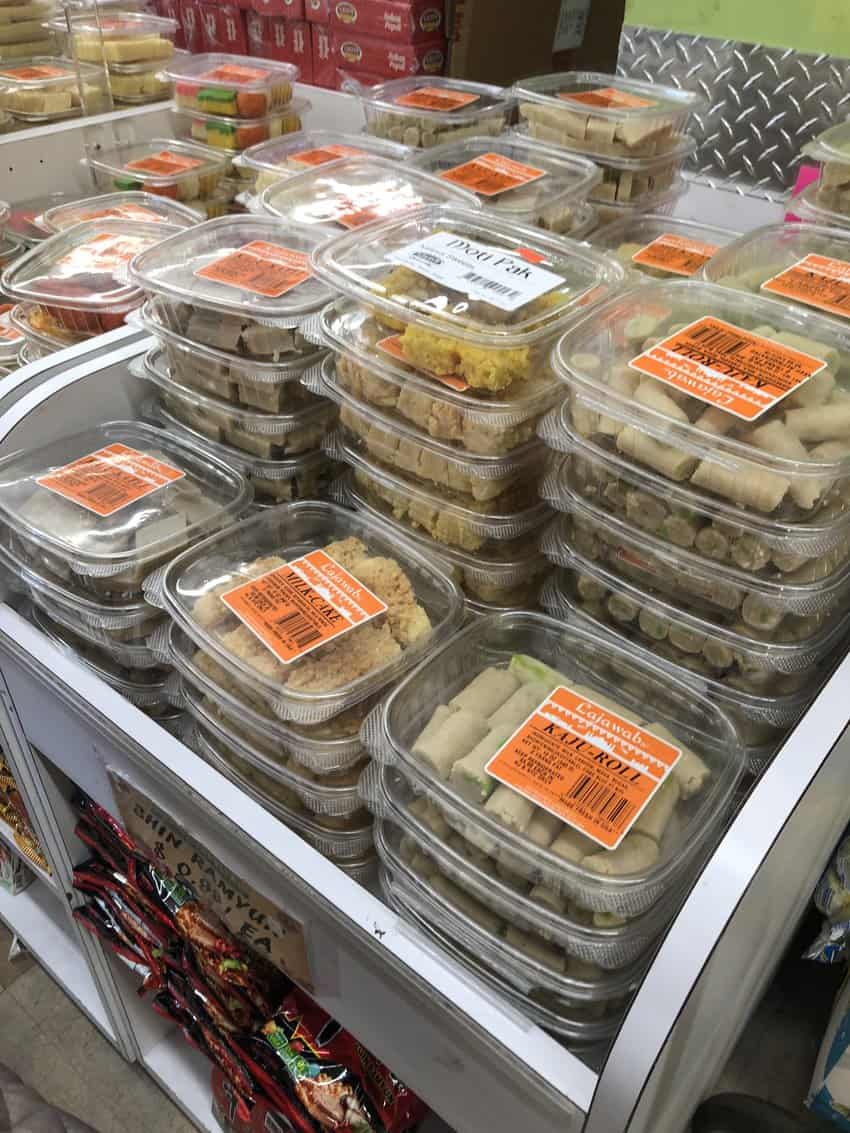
(764,103)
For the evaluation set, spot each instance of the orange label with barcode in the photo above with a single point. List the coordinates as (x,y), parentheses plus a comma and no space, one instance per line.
(325,154)
(165,164)
(233,73)
(728,367)
(111,478)
(608,98)
(676,254)
(491,173)
(266,269)
(295,608)
(435,98)
(591,768)
(103,253)
(817,281)
(28,74)
(393,347)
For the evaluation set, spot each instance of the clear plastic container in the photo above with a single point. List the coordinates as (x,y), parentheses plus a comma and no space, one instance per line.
(503,483)
(23,222)
(79,276)
(233,135)
(242,284)
(604,115)
(424,607)
(138,83)
(237,86)
(531,965)
(518,179)
(532,655)
(801,264)
(268,436)
(777,450)
(355,191)
(143,496)
(498,581)
(10,250)
(269,162)
(422,111)
(658,204)
(761,719)
(125,37)
(271,386)
(332,745)
(641,180)
(128,655)
(340,845)
(182,171)
(467,419)
(47,89)
(757,663)
(11,338)
(832,150)
(120,206)
(41,330)
(661,246)
(807,206)
(472,296)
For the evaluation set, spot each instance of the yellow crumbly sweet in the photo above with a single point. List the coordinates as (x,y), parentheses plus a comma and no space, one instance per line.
(346,551)
(342,661)
(384,577)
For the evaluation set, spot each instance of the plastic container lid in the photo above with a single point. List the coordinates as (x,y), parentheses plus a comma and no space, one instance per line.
(157,164)
(807,206)
(426,607)
(831,145)
(547,655)
(121,25)
(658,203)
(46,73)
(120,206)
(126,510)
(781,449)
(206,76)
(306,149)
(24,219)
(245,265)
(801,264)
(452,271)
(10,249)
(22,316)
(356,191)
(661,246)
(436,98)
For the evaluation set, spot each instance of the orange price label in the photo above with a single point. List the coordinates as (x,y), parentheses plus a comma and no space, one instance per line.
(28,74)
(233,73)
(435,98)
(295,608)
(728,367)
(591,768)
(676,254)
(324,154)
(373,202)
(266,269)
(125,212)
(394,348)
(491,173)
(110,479)
(608,98)
(165,164)
(103,253)
(817,281)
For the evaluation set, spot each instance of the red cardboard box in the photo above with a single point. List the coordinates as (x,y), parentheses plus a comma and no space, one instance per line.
(364,78)
(287,41)
(385,57)
(190,26)
(171,10)
(324,65)
(223,29)
(317,11)
(289,9)
(407,21)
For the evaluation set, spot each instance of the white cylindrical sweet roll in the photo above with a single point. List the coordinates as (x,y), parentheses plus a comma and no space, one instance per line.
(754,487)
(486,692)
(669,461)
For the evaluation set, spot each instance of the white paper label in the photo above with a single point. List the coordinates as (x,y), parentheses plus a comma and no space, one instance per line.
(572,23)
(484,273)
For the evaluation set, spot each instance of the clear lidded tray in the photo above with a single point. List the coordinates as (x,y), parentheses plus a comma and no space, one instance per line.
(47,88)
(517,178)
(125,37)
(369,367)
(11,339)
(777,447)
(641,180)
(10,249)
(604,115)
(237,86)
(801,264)
(165,167)
(127,205)
(354,191)
(268,436)
(80,276)
(114,502)
(243,284)
(23,221)
(129,655)
(427,110)
(661,246)
(807,206)
(518,660)
(41,330)
(302,677)
(659,204)
(233,135)
(832,150)
(470,295)
(268,162)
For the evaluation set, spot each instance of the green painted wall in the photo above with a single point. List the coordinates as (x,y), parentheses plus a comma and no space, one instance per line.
(806,25)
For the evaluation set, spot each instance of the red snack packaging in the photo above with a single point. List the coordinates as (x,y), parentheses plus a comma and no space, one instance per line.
(287,9)
(405,21)
(317,11)
(223,29)
(324,66)
(285,41)
(387,58)
(190,25)
(171,10)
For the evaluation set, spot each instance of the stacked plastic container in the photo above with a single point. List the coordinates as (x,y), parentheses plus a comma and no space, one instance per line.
(634,131)
(827,201)
(440,344)
(228,301)
(661,247)
(557,906)
(705,495)
(11,342)
(285,630)
(46,89)
(83,522)
(22,30)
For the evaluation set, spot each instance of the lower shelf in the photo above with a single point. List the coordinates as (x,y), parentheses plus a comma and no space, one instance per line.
(184,1074)
(49,879)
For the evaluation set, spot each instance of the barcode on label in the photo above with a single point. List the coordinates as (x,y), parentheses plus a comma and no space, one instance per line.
(720,341)
(492,285)
(299,629)
(106,495)
(599,800)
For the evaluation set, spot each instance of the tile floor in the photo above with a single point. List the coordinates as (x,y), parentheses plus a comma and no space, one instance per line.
(51,1044)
